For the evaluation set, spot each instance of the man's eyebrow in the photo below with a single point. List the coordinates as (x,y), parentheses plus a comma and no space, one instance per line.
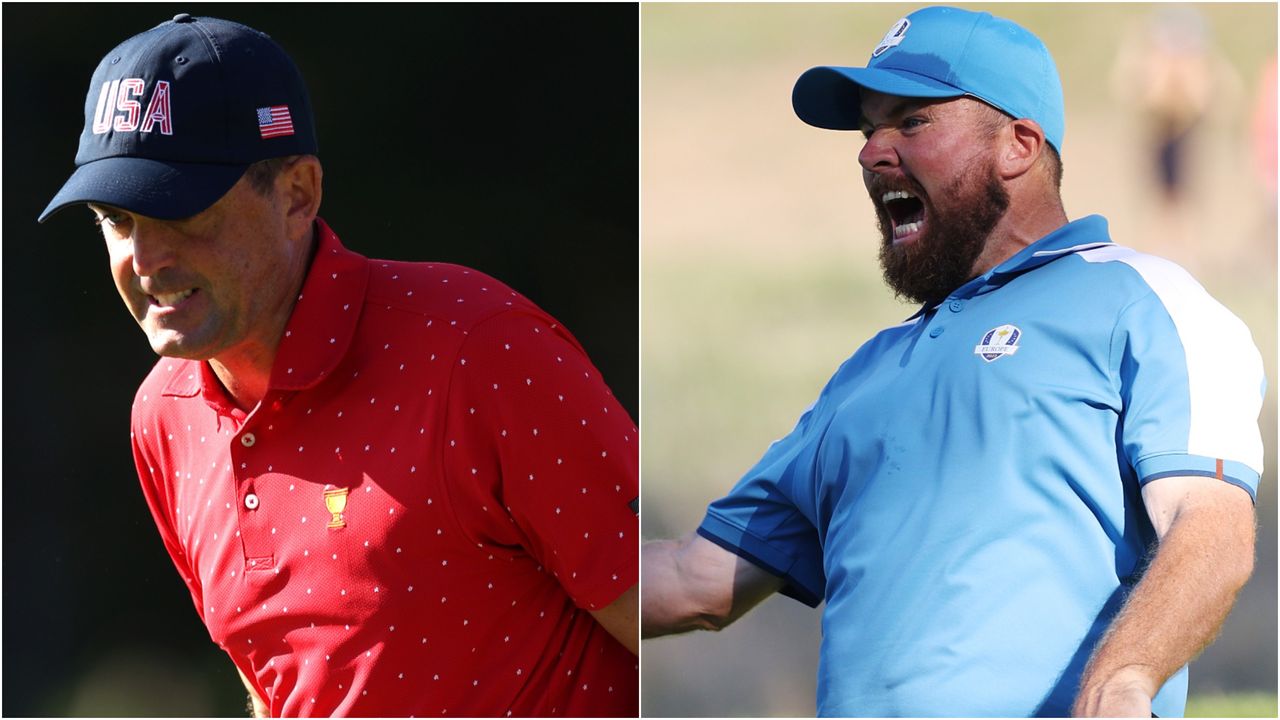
(904,106)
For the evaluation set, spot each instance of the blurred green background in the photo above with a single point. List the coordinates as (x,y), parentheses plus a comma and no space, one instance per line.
(759,277)
(500,137)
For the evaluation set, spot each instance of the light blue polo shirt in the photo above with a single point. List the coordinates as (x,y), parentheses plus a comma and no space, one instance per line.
(965,492)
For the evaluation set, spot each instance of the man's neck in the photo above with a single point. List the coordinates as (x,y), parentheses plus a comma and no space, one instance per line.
(245,382)
(245,371)
(1018,229)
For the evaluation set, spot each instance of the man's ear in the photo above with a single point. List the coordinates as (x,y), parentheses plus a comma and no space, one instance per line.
(1021,144)
(300,187)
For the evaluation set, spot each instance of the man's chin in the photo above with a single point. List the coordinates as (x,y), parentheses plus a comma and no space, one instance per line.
(911,268)
(167,343)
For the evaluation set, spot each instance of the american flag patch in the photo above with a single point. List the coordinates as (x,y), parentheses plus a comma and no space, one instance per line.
(274,121)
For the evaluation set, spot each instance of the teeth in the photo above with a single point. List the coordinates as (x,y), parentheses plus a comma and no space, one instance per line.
(172,299)
(907,229)
(895,195)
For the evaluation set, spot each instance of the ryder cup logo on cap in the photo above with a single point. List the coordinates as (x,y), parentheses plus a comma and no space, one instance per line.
(893,38)
(175,115)
(943,52)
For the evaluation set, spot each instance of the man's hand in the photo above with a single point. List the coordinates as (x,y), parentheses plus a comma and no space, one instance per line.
(1127,695)
(1206,533)
(694,584)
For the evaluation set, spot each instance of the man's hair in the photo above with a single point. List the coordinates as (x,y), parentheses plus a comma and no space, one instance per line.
(990,121)
(262,174)
(1055,166)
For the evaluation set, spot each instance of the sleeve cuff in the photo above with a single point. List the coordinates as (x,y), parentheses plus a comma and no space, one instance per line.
(807,587)
(1181,464)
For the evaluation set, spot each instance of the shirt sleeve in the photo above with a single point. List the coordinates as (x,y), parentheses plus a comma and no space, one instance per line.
(159,501)
(761,520)
(548,459)
(1191,381)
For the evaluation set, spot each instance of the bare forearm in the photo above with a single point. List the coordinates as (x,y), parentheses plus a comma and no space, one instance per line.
(1174,612)
(693,584)
(666,607)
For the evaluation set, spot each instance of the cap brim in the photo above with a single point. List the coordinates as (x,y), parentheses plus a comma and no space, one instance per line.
(827,97)
(152,188)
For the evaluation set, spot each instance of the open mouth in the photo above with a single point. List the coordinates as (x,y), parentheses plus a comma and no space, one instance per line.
(168,300)
(906,212)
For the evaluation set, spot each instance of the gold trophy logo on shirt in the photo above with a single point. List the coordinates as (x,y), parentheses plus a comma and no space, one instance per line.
(335,501)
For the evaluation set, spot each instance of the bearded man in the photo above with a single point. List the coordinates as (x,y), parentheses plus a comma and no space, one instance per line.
(1033,497)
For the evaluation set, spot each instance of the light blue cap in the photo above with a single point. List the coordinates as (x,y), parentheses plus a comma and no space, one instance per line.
(940,52)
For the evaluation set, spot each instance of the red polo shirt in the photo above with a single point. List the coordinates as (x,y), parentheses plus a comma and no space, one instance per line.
(418,516)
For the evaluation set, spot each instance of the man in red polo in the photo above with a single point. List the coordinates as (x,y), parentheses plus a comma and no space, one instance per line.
(392,489)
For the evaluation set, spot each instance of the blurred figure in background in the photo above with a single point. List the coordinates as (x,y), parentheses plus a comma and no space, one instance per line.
(1169,69)
(1262,134)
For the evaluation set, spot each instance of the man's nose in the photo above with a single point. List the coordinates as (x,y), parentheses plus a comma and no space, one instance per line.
(153,247)
(878,154)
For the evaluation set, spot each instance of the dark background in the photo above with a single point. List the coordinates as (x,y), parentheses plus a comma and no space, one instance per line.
(504,138)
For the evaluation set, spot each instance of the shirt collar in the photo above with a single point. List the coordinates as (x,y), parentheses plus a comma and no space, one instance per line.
(324,319)
(1084,234)
(319,331)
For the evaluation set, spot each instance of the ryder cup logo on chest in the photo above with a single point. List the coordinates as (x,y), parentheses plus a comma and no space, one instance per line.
(998,342)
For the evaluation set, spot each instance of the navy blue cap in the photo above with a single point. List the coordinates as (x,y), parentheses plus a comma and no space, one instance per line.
(942,52)
(175,115)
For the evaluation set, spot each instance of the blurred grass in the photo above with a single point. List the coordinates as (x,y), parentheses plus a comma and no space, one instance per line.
(1234,705)
(777,327)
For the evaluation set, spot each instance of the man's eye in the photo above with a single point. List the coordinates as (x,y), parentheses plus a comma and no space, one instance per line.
(912,122)
(110,219)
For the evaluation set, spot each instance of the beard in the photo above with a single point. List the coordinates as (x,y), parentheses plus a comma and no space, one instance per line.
(956,229)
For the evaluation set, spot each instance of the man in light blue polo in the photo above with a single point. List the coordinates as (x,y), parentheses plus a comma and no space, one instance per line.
(1033,497)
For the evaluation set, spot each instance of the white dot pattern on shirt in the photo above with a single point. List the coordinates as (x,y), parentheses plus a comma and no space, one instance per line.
(496,387)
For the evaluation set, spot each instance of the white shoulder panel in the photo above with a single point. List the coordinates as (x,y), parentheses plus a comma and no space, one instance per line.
(1224,368)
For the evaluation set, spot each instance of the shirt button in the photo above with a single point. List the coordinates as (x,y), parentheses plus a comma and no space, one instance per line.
(248,439)
(936,331)
(956,305)
(251,501)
